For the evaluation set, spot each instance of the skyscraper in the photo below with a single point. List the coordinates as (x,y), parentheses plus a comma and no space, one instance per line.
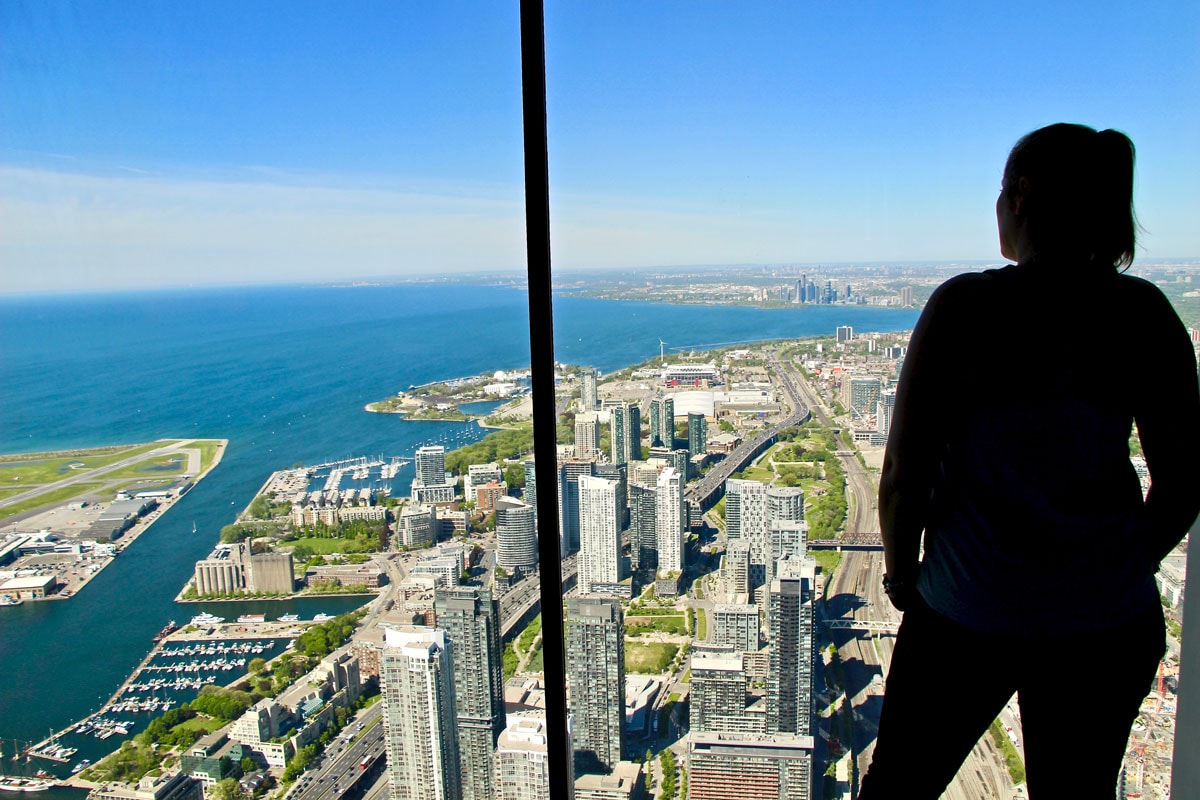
(596,668)
(516,535)
(788,539)
(522,771)
(643,527)
(785,503)
(730,766)
(668,521)
(430,465)
(419,716)
(587,389)
(470,616)
(587,435)
(718,695)
(431,485)
(531,487)
(790,622)
(568,501)
(626,434)
(599,533)
(746,518)
(662,422)
(697,434)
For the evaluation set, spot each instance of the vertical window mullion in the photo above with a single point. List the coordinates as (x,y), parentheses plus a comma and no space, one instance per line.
(541,350)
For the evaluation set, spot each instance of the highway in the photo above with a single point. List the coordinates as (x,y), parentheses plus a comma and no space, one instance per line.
(338,772)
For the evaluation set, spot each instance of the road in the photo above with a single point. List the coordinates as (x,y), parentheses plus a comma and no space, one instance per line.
(338,772)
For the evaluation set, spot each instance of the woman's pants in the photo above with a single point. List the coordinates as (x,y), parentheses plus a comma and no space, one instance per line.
(1078,694)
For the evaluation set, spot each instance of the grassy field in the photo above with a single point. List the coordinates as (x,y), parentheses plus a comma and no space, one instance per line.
(673,623)
(758,474)
(827,560)
(701,624)
(208,452)
(49,498)
(325,547)
(9,492)
(205,724)
(650,658)
(172,464)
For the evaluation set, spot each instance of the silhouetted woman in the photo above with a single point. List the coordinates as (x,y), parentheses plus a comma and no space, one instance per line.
(1009,451)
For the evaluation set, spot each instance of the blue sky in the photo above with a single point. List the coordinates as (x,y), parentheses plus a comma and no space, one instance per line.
(169,144)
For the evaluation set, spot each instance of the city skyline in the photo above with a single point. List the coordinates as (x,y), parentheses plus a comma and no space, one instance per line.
(383,142)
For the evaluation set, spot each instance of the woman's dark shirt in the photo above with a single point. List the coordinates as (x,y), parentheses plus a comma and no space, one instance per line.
(1035,520)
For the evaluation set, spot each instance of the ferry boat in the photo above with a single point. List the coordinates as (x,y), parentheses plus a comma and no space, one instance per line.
(207,619)
(9,600)
(289,618)
(252,618)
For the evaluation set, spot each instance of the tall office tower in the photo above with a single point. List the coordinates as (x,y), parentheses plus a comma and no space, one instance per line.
(737,566)
(906,296)
(746,518)
(884,411)
(522,771)
(516,536)
(785,503)
(587,435)
(596,668)
(470,616)
(731,766)
(569,472)
(419,714)
(790,622)
(662,422)
(788,539)
(587,389)
(430,465)
(599,533)
(718,695)
(643,529)
(830,292)
(697,434)
(798,291)
(626,436)
(736,626)
(845,333)
(668,521)
(531,487)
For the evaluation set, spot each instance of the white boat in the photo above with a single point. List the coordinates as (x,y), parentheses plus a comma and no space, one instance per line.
(322,617)
(207,619)
(9,783)
(289,618)
(252,618)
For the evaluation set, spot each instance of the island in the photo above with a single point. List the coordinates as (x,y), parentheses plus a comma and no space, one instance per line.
(66,515)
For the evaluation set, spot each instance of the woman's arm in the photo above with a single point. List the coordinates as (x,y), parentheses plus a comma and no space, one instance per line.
(915,440)
(1167,426)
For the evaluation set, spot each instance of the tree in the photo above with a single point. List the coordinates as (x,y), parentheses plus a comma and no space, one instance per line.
(257,665)
(260,507)
(228,789)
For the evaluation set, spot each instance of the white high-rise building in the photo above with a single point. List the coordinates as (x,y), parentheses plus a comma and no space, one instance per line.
(419,716)
(587,435)
(668,520)
(785,503)
(746,518)
(430,465)
(516,535)
(599,533)
(480,475)
(522,771)
(788,539)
